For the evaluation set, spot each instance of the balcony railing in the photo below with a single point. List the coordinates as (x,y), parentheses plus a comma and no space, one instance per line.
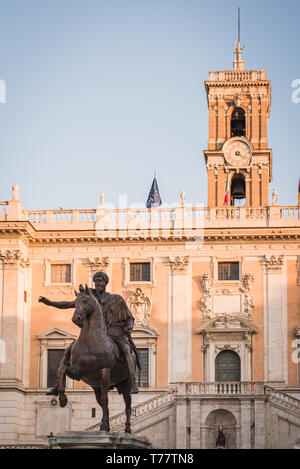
(177,218)
(227,388)
(178,221)
(238,75)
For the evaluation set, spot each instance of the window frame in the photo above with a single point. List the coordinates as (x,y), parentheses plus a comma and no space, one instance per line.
(60,265)
(215,270)
(145,336)
(52,339)
(126,271)
(148,369)
(229,263)
(50,385)
(48,265)
(141,271)
(217,368)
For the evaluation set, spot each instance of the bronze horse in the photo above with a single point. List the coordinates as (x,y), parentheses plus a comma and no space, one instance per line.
(94,358)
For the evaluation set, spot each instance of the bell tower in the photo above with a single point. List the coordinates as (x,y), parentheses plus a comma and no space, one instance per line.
(238,157)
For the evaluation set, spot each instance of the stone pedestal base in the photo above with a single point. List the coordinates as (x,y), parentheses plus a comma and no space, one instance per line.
(98,440)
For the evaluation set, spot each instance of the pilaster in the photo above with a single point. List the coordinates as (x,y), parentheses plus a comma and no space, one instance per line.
(14,322)
(275,320)
(245,442)
(179,337)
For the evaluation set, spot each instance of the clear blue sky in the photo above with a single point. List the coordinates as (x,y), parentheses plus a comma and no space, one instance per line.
(102,92)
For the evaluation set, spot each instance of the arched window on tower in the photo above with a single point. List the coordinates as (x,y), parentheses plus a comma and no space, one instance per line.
(238,191)
(238,123)
(228,367)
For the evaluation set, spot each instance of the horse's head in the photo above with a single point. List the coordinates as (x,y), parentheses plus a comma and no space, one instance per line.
(84,305)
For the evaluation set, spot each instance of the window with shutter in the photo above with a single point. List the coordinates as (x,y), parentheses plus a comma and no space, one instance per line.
(142,376)
(54,358)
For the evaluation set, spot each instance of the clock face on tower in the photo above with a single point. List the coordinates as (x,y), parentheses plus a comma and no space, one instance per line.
(237,152)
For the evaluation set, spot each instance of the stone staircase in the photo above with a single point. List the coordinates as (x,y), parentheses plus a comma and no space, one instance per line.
(283,400)
(117,422)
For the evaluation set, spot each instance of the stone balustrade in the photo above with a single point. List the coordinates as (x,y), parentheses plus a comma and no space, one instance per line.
(176,218)
(142,222)
(238,75)
(190,390)
(157,402)
(283,399)
(220,388)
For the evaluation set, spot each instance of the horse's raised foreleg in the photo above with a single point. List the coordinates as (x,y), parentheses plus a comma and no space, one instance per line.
(127,400)
(103,398)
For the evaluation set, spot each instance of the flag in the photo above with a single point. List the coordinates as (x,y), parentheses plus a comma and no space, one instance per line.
(226,197)
(154,199)
(299,194)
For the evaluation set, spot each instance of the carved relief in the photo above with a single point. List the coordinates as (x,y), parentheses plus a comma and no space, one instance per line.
(59,290)
(220,348)
(242,290)
(140,305)
(273,263)
(227,337)
(13,258)
(206,300)
(97,264)
(179,264)
(248,301)
(238,98)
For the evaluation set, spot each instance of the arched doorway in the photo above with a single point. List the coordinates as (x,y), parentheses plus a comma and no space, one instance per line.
(228,366)
(216,419)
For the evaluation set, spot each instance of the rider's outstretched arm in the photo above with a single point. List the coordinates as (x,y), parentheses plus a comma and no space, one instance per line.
(57,304)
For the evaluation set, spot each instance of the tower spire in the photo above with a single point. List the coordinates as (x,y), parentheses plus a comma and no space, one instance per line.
(239,64)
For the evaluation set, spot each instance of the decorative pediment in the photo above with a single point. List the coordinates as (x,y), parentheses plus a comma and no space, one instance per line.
(227,324)
(142,329)
(56,334)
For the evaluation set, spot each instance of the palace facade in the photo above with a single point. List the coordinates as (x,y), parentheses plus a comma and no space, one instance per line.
(215,292)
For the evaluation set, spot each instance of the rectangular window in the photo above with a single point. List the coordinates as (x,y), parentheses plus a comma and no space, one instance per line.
(228,271)
(54,358)
(61,273)
(142,376)
(140,272)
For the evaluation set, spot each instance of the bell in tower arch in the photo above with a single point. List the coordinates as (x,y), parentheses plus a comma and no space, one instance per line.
(238,190)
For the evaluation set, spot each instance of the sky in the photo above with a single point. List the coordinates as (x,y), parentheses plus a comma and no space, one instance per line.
(100,93)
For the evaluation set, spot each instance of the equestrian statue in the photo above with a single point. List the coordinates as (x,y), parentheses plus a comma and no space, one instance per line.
(104,355)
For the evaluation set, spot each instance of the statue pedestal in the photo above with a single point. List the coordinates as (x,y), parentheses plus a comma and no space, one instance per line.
(98,440)
(297,444)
